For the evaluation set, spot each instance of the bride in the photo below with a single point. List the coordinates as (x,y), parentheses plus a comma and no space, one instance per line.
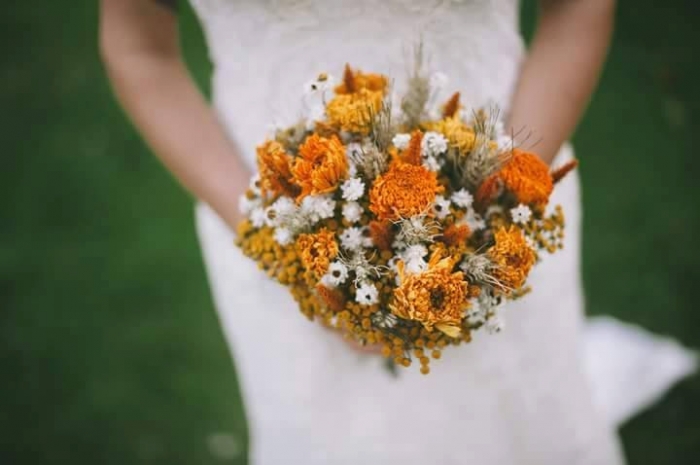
(546,390)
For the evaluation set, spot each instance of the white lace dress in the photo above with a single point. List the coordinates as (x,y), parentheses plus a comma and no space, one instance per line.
(520,397)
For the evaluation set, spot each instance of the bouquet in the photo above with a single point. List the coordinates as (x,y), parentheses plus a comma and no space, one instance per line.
(405,225)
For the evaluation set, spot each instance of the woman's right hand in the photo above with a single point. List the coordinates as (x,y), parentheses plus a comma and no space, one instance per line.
(139,43)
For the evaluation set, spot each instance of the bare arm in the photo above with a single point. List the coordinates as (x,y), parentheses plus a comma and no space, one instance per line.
(562,70)
(139,43)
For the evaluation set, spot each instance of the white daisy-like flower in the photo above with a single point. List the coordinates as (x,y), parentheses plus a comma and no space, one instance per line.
(353,189)
(246,205)
(337,274)
(279,212)
(438,80)
(367,294)
(352,212)
(254,184)
(283,236)
(323,83)
(521,214)
(433,144)
(258,217)
(415,266)
(441,207)
(495,324)
(316,112)
(352,238)
(431,163)
(401,141)
(476,315)
(414,252)
(462,198)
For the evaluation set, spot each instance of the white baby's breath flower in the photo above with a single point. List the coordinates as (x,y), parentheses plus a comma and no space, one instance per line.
(367,294)
(258,217)
(318,207)
(353,189)
(352,238)
(352,212)
(283,236)
(521,214)
(433,144)
(336,275)
(284,206)
(325,207)
(401,141)
(462,198)
(441,207)
(246,205)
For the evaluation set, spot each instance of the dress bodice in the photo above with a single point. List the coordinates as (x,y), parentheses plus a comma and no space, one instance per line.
(264,51)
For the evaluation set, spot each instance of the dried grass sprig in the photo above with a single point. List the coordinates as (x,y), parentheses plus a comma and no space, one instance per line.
(418,92)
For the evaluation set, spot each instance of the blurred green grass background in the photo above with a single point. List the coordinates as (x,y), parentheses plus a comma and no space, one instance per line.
(111,351)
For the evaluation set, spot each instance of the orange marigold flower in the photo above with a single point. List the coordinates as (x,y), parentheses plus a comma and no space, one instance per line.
(317,250)
(405,190)
(320,166)
(436,297)
(456,234)
(513,256)
(459,135)
(275,167)
(355,80)
(354,112)
(527,177)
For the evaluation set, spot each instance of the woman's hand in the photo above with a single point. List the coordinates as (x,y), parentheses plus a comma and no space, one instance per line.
(139,43)
(561,71)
